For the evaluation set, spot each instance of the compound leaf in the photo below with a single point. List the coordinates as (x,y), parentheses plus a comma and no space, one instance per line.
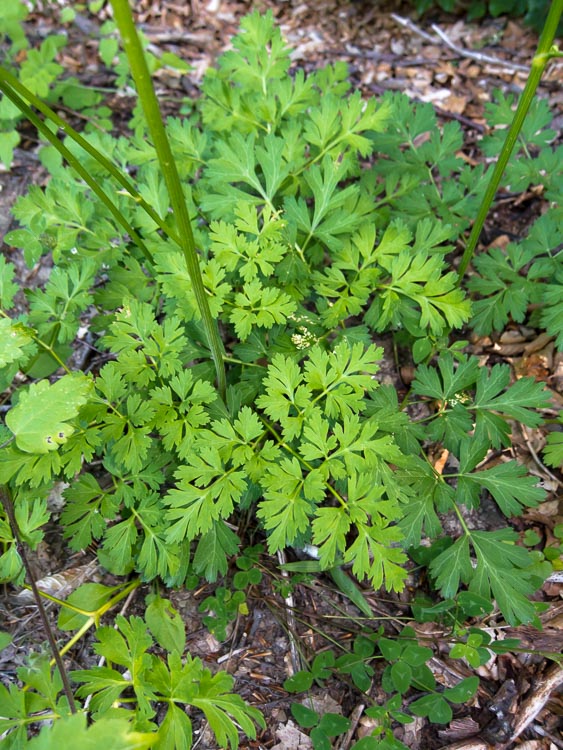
(222,709)
(518,401)
(509,484)
(505,572)
(72,731)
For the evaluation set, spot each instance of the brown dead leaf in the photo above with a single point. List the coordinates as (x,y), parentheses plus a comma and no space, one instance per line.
(540,342)
(441,461)
(456,104)
(470,69)
(513,336)
(445,68)
(291,738)
(459,729)
(412,733)
(60,585)
(366,726)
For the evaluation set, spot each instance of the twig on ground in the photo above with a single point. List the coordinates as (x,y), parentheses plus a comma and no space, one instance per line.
(478,56)
(399,61)
(541,693)
(551,737)
(537,459)
(469,54)
(467,745)
(291,627)
(355,717)
(408,24)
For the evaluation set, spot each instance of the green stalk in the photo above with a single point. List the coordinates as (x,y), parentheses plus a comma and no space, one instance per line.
(136,57)
(7,78)
(546,51)
(76,165)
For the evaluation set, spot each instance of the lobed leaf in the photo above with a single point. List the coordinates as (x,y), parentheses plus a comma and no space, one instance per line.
(41,421)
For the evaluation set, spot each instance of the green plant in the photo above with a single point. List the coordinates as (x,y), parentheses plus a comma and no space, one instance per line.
(141,74)
(406,671)
(554,552)
(527,273)
(224,607)
(406,678)
(146,390)
(323,729)
(554,449)
(546,51)
(305,255)
(228,602)
(533,11)
(125,693)
(39,70)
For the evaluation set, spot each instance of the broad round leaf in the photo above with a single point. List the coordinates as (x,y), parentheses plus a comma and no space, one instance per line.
(298,682)
(463,691)
(304,716)
(40,419)
(401,676)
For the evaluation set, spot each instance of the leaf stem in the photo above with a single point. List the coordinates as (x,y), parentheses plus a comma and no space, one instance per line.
(545,52)
(48,347)
(236,361)
(94,617)
(131,43)
(282,443)
(461,519)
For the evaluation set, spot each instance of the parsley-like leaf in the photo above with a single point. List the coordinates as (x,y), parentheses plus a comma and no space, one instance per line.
(509,484)
(259,306)
(206,491)
(494,396)
(284,511)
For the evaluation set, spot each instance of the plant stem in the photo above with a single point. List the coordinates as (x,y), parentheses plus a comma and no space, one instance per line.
(75,164)
(94,618)
(6,501)
(139,69)
(115,172)
(545,52)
